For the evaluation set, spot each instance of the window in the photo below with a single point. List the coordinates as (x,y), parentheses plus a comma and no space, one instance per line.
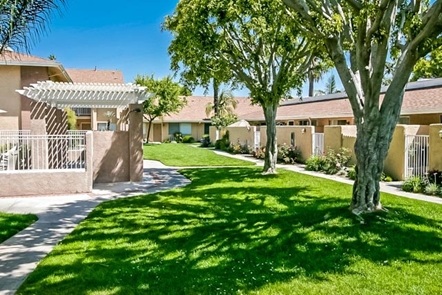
(291,123)
(337,122)
(184,128)
(174,127)
(103,126)
(304,123)
(404,120)
(307,122)
(441,118)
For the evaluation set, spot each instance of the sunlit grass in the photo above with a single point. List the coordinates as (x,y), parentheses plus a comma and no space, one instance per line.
(184,155)
(234,231)
(10,224)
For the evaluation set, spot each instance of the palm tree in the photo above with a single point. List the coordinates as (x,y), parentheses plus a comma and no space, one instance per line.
(225,110)
(226,104)
(24,20)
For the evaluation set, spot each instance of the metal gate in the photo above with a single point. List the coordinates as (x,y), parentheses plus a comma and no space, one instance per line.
(318,144)
(257,139)
(416,155)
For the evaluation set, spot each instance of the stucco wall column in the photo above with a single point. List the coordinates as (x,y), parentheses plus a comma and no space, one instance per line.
(435,142)
(136,142)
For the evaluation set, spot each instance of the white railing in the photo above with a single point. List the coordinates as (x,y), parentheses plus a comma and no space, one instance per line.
(318,144)
(14,132)
(416,155)
(42,152)
(82,111)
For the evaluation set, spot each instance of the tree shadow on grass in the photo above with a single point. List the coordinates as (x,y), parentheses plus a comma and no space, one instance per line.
(208,238)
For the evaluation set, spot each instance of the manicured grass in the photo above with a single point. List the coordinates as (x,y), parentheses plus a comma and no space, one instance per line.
(184,155)
(10,224)
(234,231)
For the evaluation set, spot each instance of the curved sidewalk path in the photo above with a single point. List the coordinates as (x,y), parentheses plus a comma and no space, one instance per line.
(59,215)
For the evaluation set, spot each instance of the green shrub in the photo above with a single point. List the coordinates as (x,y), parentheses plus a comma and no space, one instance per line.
(260,153)
(414,184)
(315,163)
(351,172)
(205,140)
(188,139)
(335,161)
(431,189)
(288,154)
(223,143)
(178,137)
(386,178)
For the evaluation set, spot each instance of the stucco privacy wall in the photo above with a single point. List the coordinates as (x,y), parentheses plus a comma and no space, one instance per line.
(111,156)
(212,133)
(242,135)
(303,138)
(435,161)
(118,155)
(23,183)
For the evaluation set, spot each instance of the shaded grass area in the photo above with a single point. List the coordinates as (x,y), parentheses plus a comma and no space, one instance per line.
(10,224)
(234,231)
(184,155)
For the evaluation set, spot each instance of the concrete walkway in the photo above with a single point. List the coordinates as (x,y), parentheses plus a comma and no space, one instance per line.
(59,215)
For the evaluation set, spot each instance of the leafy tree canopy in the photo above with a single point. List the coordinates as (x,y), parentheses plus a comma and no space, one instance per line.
(167,97)
(429,66)
(256,43)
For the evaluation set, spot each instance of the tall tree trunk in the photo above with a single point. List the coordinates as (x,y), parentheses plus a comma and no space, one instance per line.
(148,131)
(371,148)
(311,83)
(215,97)
(271,152)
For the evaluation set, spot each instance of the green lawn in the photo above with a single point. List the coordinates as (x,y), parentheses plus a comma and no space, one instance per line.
(10,224)
(234,231)
(184,155)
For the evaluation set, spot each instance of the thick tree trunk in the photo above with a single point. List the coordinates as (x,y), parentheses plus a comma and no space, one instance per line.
(371,148)
(271,152)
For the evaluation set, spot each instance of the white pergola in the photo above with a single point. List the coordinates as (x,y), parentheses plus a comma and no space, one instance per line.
(85,95)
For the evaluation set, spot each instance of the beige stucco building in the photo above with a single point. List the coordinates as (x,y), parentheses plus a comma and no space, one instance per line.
(422,105)
(19,70)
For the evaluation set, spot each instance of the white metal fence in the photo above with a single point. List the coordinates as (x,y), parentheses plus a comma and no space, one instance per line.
(416,155)
(42,152)
(318,144)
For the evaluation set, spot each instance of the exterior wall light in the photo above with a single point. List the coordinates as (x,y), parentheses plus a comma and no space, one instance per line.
(136,110)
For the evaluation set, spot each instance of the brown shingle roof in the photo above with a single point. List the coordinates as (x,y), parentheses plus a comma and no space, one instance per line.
(21,57)
(195,110)
(419,101)
(96,76)
(416,101)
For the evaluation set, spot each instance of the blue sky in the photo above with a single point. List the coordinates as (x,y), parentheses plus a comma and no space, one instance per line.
(123,35)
